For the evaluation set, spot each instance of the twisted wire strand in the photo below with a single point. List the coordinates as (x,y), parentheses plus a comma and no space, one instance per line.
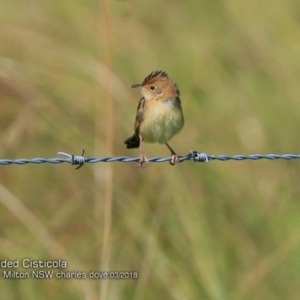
(195,156)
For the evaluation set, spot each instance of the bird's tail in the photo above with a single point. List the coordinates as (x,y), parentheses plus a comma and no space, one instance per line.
(132,142)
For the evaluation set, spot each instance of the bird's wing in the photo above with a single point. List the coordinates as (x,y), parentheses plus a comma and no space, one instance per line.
(139,116)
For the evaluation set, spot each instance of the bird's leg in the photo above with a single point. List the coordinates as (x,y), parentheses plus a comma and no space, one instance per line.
(143,159)
(174,156)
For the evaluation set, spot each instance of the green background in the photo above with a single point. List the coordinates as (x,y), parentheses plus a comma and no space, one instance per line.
(221,230)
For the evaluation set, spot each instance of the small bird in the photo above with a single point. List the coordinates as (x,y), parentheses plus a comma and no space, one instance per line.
(159,114)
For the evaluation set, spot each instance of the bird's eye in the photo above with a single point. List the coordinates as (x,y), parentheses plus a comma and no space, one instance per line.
(152,87)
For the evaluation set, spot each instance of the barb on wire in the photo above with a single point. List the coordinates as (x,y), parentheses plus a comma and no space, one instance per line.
(75,159)
(195,156)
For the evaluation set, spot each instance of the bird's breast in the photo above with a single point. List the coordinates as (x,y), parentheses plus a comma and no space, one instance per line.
(161,121)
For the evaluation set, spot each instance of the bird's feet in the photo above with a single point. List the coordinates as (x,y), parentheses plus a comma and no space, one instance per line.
(174,159)
(143,161)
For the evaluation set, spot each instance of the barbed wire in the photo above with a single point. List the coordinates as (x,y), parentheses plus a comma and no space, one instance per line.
(195,156)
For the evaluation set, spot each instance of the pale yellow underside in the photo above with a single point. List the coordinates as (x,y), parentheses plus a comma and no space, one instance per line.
(161,121)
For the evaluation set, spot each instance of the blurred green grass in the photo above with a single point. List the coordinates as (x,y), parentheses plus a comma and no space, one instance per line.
(223,230)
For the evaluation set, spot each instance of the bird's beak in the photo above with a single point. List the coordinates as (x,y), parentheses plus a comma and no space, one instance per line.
(135,86)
